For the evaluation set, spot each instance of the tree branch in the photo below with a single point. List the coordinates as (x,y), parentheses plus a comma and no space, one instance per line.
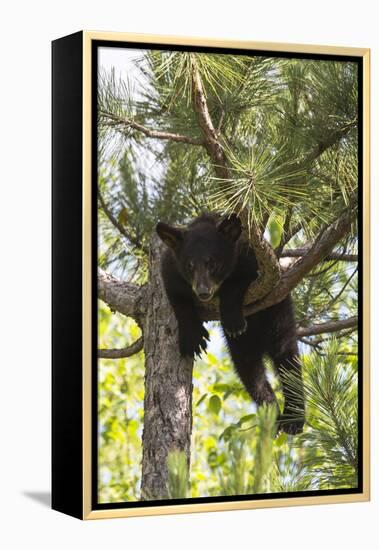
(298,252)
(323,245)
(268,266)
(128,123)
(325,242)
(123,352)
(118,225)
(329,326)
(210,134)
(125,298)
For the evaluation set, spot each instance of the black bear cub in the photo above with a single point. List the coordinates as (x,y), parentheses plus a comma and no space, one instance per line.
(209,258)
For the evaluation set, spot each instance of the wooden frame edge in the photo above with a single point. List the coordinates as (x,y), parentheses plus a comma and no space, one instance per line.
(87,275)
(220,43)
(225,506)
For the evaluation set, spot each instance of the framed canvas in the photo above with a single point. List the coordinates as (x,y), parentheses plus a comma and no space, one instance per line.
(210,275)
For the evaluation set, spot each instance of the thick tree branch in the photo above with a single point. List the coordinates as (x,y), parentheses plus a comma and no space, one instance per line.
(298,252)
(123,297)
(269,267)
(329,326)
(127,123)
(123,352)
(323,245)
(168,385)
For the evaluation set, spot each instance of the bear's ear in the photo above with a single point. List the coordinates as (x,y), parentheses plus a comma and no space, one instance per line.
(230,227)
(170,235)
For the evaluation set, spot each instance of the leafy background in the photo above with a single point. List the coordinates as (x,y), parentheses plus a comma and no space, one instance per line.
(226,427)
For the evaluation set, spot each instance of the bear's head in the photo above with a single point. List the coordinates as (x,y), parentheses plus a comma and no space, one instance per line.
(205,251)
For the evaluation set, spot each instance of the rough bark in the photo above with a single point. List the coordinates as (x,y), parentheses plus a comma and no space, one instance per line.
(120,296)
(168,386)
(268,266)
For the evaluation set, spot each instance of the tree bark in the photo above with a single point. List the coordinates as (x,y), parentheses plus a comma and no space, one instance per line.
(168,386)
(123,352)
(328,326)
(120,296)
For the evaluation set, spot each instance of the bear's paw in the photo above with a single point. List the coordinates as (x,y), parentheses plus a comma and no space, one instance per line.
(235,328)
(194,342)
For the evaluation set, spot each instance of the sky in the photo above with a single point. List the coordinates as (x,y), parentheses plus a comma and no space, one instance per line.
(121,59)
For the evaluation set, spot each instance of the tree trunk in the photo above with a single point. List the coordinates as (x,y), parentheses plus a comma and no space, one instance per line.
(168,386)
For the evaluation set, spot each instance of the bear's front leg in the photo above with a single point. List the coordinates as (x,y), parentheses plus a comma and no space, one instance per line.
(231,307)
(193,336)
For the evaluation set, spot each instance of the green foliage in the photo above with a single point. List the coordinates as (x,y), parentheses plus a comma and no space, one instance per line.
(250,455)
(214,404)
(260,178)
(332,415)
(288,128)
(178,478)
(120,394)
(301,152)
(275,230)
(266,424)
(233,452)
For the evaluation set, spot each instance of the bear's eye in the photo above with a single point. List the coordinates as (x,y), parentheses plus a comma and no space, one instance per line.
(190,265)
(211,263)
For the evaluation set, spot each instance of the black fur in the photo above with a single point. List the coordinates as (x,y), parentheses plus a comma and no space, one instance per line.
(207,258)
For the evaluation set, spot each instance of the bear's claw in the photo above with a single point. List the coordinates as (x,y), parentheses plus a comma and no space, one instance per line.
(193,343)
(291,426)
(236,333)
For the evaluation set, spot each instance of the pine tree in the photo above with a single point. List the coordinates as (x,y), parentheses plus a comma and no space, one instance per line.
(274,140)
